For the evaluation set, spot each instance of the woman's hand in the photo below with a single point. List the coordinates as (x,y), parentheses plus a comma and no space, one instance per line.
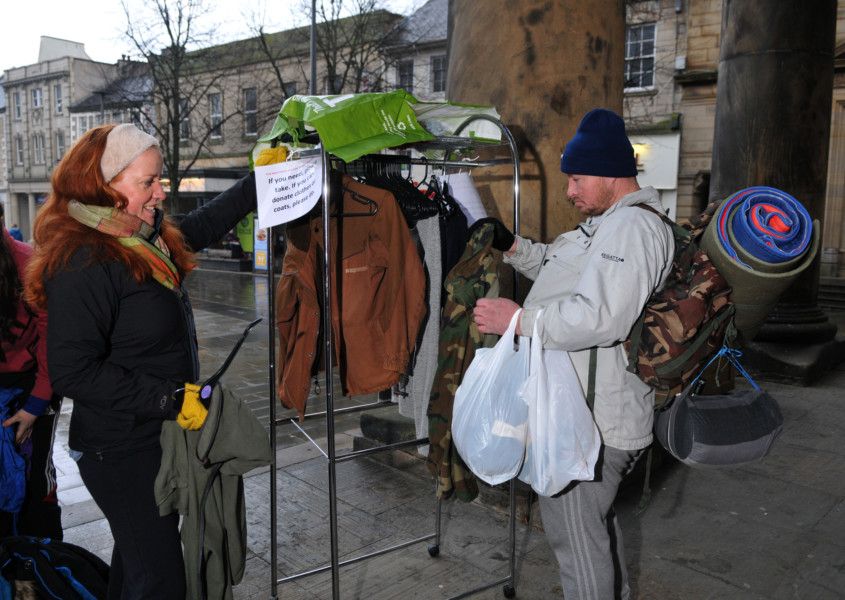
(25,422)
(493,315)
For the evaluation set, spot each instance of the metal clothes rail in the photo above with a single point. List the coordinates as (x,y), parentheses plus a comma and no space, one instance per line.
(449,145)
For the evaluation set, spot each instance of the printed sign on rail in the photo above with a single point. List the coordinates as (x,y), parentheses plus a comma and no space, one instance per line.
(288,190)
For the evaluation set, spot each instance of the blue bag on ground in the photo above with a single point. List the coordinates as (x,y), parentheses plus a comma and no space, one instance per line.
(489,417)
(563,441)
(12,465)
(58,569)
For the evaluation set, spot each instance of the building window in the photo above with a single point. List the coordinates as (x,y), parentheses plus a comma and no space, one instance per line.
(438,73)
(184,120)
(60,144)
(81,124)
(215,113)
(250,111)
(37,98)
(639,56)
(57,96)
(405,75)
(290,89)
(16,101)
(78,126)
(19,150)
(38,148)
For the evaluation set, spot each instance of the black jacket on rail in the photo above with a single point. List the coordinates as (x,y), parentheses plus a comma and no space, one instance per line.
(118,348)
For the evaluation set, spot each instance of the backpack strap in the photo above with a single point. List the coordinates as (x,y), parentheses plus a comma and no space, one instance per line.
(678,231)
(591,378)
(634,345)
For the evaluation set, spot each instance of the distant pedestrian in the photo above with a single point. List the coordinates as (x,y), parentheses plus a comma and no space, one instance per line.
(15,232)
(110,268)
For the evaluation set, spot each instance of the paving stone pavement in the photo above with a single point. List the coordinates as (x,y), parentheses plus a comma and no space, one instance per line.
(771,530)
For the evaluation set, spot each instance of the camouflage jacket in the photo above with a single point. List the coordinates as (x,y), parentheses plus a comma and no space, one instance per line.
(593,282)
(475,276)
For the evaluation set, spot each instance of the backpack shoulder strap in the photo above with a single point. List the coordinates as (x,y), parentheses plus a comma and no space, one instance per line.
(591,378)
(678,231)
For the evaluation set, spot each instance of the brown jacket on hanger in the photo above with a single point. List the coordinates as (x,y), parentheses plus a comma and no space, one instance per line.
(377,300)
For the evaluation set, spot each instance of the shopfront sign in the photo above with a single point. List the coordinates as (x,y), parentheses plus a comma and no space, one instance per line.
(259,248)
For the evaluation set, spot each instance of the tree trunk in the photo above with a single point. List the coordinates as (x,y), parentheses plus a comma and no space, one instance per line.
(542,64)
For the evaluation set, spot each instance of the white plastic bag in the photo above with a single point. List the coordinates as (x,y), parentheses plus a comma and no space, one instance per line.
(489,416)
(563,440)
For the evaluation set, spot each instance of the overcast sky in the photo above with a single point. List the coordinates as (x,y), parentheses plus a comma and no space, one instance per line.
(99,24)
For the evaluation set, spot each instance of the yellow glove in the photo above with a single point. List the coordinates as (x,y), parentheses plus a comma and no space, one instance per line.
(193,413)
(271,156)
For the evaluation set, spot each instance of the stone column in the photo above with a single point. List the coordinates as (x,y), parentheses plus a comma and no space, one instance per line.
(773,128)
(833,238)
(542,65)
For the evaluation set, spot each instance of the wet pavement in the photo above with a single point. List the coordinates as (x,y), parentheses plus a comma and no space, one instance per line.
(771,530)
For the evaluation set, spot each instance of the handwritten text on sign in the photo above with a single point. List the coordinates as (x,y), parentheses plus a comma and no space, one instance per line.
(287,190)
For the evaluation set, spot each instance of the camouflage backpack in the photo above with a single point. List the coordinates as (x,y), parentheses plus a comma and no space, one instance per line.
(685,322)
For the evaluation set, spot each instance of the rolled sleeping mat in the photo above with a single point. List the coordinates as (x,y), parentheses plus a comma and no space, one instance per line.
(760,239)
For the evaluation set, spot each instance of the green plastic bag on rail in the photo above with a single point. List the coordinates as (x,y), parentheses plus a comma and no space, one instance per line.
(352,125)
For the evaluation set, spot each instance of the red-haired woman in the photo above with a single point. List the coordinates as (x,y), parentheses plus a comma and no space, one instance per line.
(109,269)
(27,404)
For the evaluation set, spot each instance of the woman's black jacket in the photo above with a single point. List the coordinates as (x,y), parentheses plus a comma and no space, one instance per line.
(119,348)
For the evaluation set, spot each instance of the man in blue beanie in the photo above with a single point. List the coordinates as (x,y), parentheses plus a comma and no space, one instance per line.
(593,283)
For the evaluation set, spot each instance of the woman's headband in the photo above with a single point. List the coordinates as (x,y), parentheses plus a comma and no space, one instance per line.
(124,144)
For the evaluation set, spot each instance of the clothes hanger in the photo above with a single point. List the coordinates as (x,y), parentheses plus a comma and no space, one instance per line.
(372,205)
(207,386)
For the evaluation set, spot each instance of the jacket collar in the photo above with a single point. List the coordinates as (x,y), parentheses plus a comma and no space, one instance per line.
(647,195)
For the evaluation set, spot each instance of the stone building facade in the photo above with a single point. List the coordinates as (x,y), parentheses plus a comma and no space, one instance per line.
(242,85)
(38,121)
(418,60)
(4,182)
(671,120)
(237,88)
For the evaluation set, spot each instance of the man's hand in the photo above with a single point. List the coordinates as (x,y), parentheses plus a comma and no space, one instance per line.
(25,422)
(503,239)
(493,315)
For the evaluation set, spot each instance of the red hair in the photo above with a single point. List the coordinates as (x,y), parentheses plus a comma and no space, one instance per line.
(58,235)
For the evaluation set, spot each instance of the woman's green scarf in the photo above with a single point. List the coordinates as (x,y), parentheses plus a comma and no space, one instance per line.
(132,233)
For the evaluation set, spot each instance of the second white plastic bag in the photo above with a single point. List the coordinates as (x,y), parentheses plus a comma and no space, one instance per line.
(563,440)
(489,416)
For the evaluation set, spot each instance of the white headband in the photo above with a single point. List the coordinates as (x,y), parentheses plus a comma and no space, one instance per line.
(124,144)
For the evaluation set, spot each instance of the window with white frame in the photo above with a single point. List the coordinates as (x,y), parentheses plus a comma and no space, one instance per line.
(438,73)
(37,98)
(38,148)
(60,144)
(250,111)
(215,113)
(19,149)
(405,75)
(639,56)
(184,120)
(16,103)
(57,97)
(80,124)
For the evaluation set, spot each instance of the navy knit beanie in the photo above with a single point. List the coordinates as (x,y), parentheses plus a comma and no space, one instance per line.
(599,147)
